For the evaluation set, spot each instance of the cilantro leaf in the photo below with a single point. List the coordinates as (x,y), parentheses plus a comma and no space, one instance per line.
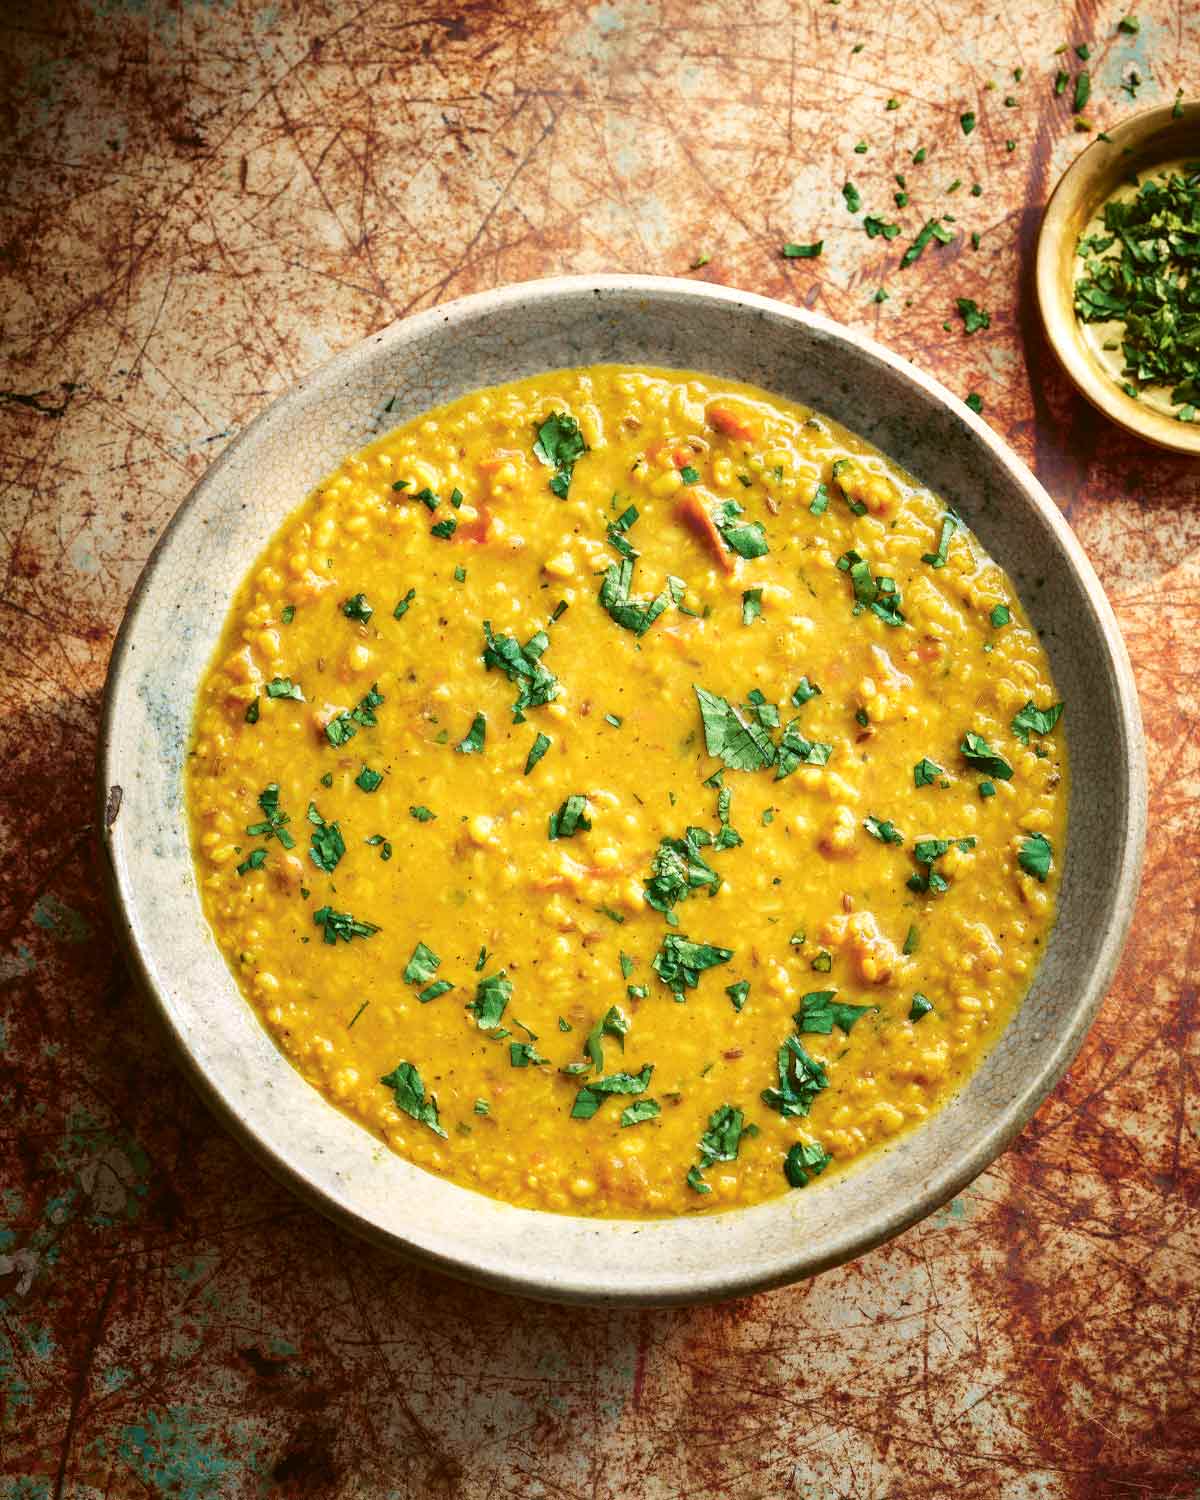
(950,524)
(921,1006)
(1036,855)
(974,318)
(801,1079)
(820,1012)
(727,736)
(926,772)
(1034,720)
(327,843)
(751,605)
(747,538)
(523,665)
(405,1082)
(368,780)
(640,1111)
(593,1094)
(678,869)
(559,446)
(793,251)
(738,993)
(978,753)
(539,747)
(476,736)
(804,1160)
(680,962)
(422,814)
(803,691)
(569,818)
(491,996)
(883,830)
(253,861)
(284,687)
(340,924)
(274,822)
(422,966)
(357,608)
(795,750)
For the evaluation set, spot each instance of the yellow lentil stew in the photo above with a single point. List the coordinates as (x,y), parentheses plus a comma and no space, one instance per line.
(628,793)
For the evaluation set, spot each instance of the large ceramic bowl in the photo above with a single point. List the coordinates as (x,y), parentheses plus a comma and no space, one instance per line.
(172,627)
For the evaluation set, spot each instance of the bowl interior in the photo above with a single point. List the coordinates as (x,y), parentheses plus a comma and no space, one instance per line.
(175,620)
(1154,139)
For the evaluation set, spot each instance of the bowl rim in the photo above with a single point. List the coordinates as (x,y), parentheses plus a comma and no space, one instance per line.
(1055,303)
(628,1285)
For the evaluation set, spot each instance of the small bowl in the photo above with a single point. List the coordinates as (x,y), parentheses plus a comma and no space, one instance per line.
(1143,143)
(172,627)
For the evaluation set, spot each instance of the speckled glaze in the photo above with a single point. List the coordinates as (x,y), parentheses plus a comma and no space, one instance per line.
(173,624)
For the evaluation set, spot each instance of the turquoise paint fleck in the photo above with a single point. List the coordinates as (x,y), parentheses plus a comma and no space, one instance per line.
(25,1487)
(172,1453)
(62,921)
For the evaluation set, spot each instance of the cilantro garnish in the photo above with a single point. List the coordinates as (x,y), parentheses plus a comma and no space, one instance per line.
(357,608)
(633,614)
(883,830)
(795,750)
(284,687)
(921,1006)
(593,1094)
(875,226)
(1000,616)
(475,737)
(327,843)
(405,1082)
(926,772)
(804,1160)
(569,818)
(803,691)
(1030,720)
(253,861)
(1083,90)
(950,524)
(820,500)
(933,229)
(820,1012)
(340,924)
(640,1111)
(747,538)
(1035,855)
(422,966)
(720,1142)
(677,870)
(1130,25)
(615,1023)
(252,711)
(539,747)
(402,605)
(852,197)
(879,595)
(912,941)
(751,605)
(926,852)
(680,962)
(967,121)
(689,475)
(368,780)
(491,996)
(974,318)
(431,992)
(977,752)
(345,724)
(793,251)
(444,529)
(274,821)
(738,992)
(522,1054)
(801,1079)
(422,814)
(523,665)
(287,614)
(975,401)
(727,736)
(559,446)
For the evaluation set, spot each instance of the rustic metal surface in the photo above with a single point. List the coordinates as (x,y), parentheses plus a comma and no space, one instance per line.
(200,201)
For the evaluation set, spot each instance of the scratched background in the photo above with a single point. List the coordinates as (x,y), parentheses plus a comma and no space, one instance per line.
(201,200)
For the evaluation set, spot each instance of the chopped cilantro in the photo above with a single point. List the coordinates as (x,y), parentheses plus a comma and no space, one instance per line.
(368,780)
(422,966)
(883,830)
(491,996)
(689,475)
(593,1094)
(274,822)
(677,869)
(926,772)
(912,941)
(823,963)
(521,1054)
(252,712)
(738,992)
(1130,25)
(569,818)
(482,1107)
(1035,855)
(405,1083)
(792,251)
(327,843)
(340,924)
(539,747)
(987,789)
(345,724)
(932,229)
(253,861)
(975,401)
(967,121)
(287,614)
(639,1112)
(853,199)
(1000,616)
(444,529)
(422,814)
(803,691)
(820,1012)
(728,737)
(559,446)
(536,684)
(875,226)
(801,1079)
(880,595)
(978,753)
(751,605)
(950,524)
(1083,91)
(680,962)
(747,538)
(284,687)
(357,608)
(820,501)
(475,737)
(431,992)
(1030,720)
(974,318)
(804,1160)
(402,605)
(921,1006)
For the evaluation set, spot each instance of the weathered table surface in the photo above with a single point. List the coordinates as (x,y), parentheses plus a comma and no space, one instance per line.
(203,198)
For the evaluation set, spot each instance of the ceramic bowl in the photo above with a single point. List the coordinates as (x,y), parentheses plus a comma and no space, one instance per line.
(1156,138)
(172,627)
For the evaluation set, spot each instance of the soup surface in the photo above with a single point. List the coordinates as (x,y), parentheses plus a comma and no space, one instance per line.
(628,793)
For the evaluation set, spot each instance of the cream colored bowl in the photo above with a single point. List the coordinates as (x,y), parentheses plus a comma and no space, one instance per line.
(173,624)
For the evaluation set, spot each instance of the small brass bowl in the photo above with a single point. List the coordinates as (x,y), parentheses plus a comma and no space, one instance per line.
(1149,140)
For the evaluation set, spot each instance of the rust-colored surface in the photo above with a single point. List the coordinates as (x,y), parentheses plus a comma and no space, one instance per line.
(201,198)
